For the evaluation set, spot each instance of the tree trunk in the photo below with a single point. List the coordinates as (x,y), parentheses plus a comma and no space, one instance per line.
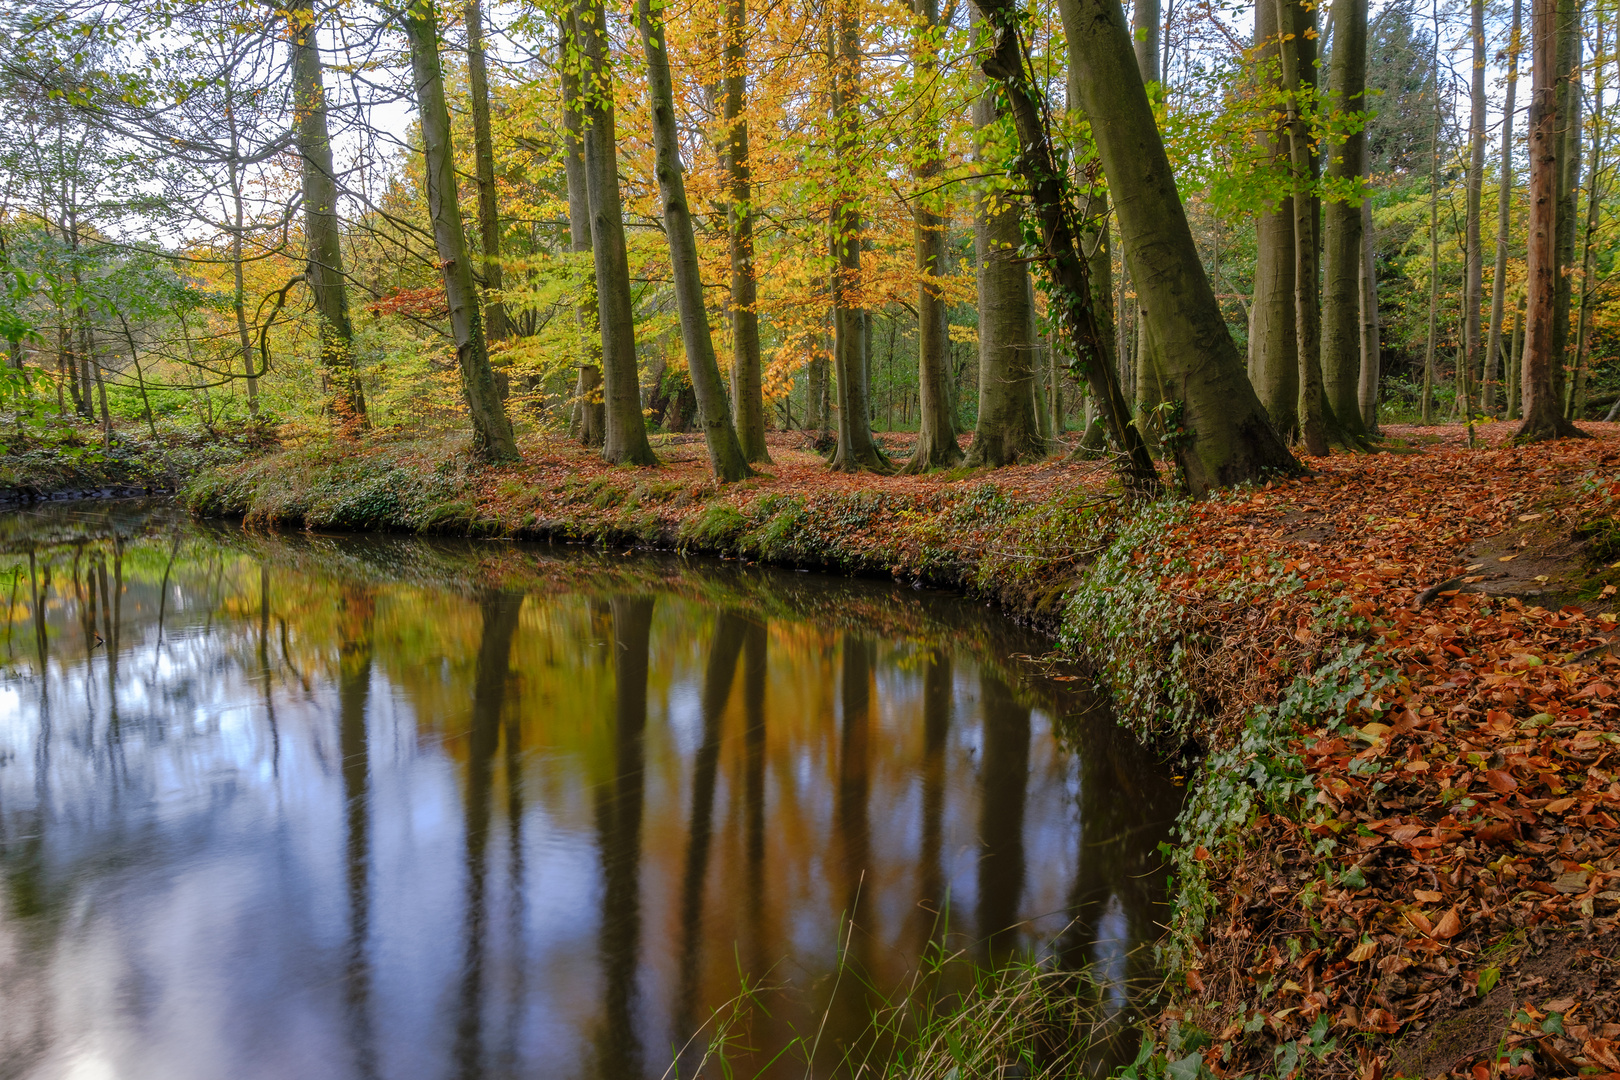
(1007,431)
(1273,344)
(323,258)
(747,389)
(1515,359)
(1147,27)
(1342,224)
(1504,204)
(1569,183)
(936,434)
(589,421)
(625,440)
(492,431)
(1225,435)
(489,222)
(857,450)
(1473,285)
(1540,400)
(726,457)
(244,337)
(1371,340)
(1595,194)
(1426,407)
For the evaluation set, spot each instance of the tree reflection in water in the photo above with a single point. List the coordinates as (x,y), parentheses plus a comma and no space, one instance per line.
(570,803)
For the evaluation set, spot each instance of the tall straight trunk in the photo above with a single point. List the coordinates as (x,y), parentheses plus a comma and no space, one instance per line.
(726,457)
(1147,27)
(1569,183)
(1307,315)
(936,433)
(625,439)
(323,258)
(1227,438)
(1595,194)
(590,423)
(1273,344)
(1473,283)
(492,431)
(244,336)
(747,386)
(857,450)
(1371,340)
(1515,359)
(1504,205)
(1426,407)
(1540,400)
(489,222)
(1342,246)
(1008,430)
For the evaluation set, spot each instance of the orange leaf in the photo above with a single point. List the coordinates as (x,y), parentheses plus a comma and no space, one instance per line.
(1449,926)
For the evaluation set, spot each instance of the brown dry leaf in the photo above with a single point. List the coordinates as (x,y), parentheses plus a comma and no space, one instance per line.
(1449,926)
(1501,782)
(1428,896)
(1420,920)
(1507,558)
(1363,952)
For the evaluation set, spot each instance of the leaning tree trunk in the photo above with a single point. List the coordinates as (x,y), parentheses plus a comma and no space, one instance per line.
(726,457)
(1342,223)
(1540,400)
(492,431)
(1273,346)
(589,422)
(1473,283)
(489,222)
(747,387)
(1007,431)
(625,439)
(1225,435)
(323,259)
(1307,314)
(857,449)
(1055,210)
(1504,205)
(936,434)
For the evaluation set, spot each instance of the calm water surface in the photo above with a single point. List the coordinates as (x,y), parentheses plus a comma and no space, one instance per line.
(346,807)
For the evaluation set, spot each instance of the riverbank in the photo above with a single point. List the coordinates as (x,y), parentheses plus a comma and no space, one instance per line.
(76,463)
(1399,855)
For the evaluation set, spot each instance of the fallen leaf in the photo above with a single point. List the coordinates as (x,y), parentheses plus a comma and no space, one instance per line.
(1508,558)
(1428,896)
(1500,781)
(1449,926)
(1363,952)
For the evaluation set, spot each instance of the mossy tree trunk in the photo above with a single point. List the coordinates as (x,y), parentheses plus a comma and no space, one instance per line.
(492,431)
(1225,437)
(1273,347)
(323,251)
(624,441)
(726,458)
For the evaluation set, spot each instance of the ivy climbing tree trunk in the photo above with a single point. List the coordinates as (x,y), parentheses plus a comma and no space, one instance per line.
(492,431)
(1504,203)
(323,252)
(1223,436)
(1342,223)
(936,434)
(624,441)
(726,457)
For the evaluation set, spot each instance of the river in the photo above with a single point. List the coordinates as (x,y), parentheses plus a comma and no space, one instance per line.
(293,806)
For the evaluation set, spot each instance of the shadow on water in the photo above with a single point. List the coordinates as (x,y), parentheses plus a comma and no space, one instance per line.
(379,807)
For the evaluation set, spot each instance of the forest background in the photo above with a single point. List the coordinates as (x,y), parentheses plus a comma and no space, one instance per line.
(160,242)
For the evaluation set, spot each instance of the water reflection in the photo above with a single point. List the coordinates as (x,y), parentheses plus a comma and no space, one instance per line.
(347,807)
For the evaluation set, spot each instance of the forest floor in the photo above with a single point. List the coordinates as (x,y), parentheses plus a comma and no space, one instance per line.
(1401,853)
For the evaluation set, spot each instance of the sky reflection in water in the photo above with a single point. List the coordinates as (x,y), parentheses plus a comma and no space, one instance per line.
(348,807)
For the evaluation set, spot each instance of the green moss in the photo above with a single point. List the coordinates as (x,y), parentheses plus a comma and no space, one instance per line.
(718,528)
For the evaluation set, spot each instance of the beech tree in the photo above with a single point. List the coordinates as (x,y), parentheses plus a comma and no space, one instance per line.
(1342,222)
(492,431)
(726,458)
(1273,336)
(1226,437)
(1504,202)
